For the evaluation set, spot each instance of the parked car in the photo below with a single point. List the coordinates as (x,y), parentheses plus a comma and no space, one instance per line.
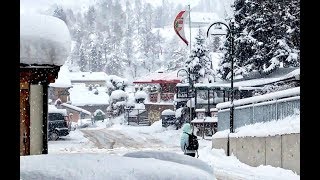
(57,124)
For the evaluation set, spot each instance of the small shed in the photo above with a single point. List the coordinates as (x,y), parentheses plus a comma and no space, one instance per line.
(44,47)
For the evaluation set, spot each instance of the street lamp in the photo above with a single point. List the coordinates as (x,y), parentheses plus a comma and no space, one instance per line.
(191,85)
(229,36)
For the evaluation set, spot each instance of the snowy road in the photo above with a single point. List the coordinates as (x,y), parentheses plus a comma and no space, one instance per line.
(121,139)
(110,139)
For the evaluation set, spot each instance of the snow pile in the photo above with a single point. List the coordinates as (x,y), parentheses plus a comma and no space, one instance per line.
(168,112)
(229,167)
(178,112)
(63,80)
(44,40)
(288,125)
(173,157)
(83,166)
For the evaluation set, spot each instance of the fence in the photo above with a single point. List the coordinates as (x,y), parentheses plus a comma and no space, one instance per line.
(264,108)
(137,117)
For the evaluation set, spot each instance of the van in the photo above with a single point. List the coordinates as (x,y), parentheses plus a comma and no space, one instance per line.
(58,123)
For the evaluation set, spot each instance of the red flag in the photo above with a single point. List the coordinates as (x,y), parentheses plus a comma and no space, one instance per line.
(179,25)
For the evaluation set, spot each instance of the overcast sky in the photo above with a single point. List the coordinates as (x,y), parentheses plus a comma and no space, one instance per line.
(36,5)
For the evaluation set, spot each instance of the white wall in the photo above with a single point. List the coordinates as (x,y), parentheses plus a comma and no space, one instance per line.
(36,119)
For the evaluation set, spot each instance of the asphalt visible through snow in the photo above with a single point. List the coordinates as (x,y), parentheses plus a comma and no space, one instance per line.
(110,139)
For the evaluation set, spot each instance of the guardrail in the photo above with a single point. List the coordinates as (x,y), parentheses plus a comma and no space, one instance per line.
(264,108)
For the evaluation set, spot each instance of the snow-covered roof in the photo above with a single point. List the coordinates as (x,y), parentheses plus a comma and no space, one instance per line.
(63,80)
(76,108)
(168,112)
(213,109)
(247,84)
(206,119)
(81,96)
(99,111)
(88,76)
(164,77)
(200,110)
(44,40)
(266,97)
(54,109)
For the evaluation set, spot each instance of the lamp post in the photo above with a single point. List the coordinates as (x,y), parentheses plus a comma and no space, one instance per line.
(230,37)
(191,85)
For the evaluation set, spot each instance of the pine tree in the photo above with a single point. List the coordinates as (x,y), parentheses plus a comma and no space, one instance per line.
(199,62)
(265,37)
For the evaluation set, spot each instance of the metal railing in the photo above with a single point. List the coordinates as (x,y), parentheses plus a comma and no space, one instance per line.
(264,108)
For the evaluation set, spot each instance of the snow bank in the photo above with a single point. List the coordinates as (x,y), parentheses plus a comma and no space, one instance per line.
(172,157)
(229,167)
(270,96)
(84,166)
(44,40)
(288,125)
(179,112)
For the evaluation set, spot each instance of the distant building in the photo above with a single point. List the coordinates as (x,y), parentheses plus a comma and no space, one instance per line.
(59,89)
(88,78)
(161,87)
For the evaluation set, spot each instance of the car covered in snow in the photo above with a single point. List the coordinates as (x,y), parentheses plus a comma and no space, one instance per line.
(142,165)
(57,123)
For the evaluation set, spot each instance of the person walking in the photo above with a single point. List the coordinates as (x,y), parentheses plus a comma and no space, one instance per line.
(184,142)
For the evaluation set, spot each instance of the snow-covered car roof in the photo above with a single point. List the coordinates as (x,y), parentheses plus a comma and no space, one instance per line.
(84,166)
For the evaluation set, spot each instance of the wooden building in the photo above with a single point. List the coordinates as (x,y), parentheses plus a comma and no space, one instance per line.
(44,47)
(161,88)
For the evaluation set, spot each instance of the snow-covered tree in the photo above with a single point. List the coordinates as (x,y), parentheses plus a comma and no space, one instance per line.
(199,62)
(266,36)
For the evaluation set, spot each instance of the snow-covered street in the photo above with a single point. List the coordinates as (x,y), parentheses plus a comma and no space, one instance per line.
(121,139)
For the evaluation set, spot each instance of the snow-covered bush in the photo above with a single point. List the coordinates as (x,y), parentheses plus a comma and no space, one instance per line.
(140,96)
(118,101)
(114,82)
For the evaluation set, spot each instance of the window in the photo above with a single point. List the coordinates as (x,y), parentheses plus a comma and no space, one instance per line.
(56,117)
